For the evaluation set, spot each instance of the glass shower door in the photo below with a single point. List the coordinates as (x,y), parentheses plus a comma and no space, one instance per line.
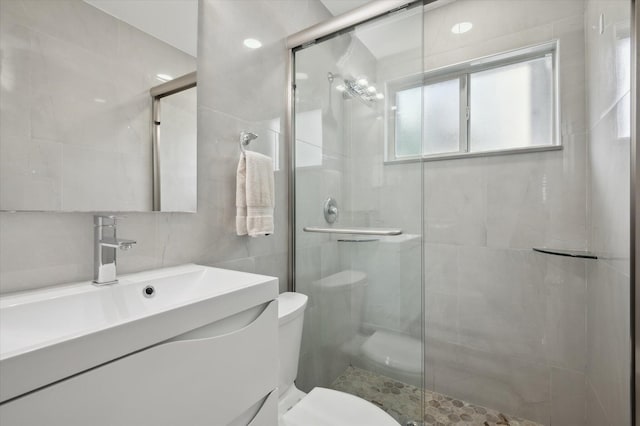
(363,331)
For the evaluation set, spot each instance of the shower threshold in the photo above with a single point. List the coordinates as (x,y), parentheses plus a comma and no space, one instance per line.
(403,402)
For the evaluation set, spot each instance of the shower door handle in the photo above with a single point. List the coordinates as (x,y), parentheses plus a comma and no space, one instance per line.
(355,231)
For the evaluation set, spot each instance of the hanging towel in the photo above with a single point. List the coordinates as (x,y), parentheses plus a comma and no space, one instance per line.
(254,195)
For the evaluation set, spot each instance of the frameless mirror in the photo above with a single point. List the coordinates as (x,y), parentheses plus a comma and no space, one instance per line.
(77,126)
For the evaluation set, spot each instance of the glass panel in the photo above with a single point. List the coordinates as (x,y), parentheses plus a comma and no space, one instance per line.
(408,125)
(363,323)
(512,334)
(512,106)
(442,117)
(177,149)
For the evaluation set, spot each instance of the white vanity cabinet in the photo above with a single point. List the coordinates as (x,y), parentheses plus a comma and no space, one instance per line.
(222,373)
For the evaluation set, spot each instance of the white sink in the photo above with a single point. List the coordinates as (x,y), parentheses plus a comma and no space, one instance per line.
(48,335)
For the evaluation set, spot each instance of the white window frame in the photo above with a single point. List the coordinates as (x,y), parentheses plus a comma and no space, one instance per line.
(462,72)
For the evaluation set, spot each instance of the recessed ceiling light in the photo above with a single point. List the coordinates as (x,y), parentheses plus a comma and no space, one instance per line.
(252,43)
(302,76)
(461,27)
(164,77)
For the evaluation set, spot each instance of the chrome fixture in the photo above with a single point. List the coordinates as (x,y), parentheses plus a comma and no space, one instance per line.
(567,253)
(359,89)
(104,249)
(330,210)
(149,291)
(245,138)
(354,231)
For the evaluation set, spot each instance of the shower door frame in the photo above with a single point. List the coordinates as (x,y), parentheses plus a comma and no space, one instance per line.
(378,8)
(635,214)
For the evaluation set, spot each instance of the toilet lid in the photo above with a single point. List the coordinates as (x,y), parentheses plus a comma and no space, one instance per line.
(326,407)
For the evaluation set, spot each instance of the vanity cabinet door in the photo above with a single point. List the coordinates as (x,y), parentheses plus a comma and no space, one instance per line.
(211,376)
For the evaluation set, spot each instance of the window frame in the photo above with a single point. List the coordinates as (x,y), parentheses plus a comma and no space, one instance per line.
(462,71)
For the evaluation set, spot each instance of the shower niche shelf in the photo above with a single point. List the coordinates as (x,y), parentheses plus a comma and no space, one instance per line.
(567,253)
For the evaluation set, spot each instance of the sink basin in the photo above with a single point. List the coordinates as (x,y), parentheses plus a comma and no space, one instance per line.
(48,335)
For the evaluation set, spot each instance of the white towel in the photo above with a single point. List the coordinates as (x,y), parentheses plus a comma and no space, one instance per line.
(254,195)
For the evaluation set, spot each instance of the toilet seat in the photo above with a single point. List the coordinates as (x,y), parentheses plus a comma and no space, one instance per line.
(326,407)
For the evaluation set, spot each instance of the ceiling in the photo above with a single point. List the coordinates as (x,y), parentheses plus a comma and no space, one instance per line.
(386,37)
(173,21)
(338,7)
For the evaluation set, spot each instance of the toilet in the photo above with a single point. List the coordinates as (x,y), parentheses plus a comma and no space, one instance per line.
(320,407)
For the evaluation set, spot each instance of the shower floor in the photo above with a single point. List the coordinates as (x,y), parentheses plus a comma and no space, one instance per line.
(402,402)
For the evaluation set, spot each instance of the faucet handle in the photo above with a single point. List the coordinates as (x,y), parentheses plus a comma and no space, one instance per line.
(106,220)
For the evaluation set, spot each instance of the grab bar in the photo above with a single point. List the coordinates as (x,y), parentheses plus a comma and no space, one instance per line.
(356,231)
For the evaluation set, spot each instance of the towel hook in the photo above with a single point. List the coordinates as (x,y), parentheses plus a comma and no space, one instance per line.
(245,138)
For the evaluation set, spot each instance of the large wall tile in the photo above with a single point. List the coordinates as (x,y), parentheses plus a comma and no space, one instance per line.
(455,202)
(595,415)
(608,350)
(568,395)
(512,385)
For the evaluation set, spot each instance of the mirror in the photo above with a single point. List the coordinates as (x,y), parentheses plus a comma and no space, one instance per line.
(77,129)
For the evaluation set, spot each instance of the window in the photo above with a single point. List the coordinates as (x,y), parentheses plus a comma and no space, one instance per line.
(623,82)
(506,102)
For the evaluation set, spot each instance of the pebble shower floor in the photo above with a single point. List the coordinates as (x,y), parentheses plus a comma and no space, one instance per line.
(402,402)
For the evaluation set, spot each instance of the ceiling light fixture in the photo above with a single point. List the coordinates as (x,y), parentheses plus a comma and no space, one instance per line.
(461,27)
(252,43)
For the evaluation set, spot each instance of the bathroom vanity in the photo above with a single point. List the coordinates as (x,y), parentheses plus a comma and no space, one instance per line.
(188,345)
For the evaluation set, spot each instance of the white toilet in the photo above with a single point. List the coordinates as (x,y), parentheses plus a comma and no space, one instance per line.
(320,407)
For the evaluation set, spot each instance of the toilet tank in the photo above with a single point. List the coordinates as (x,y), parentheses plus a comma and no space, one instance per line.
(290,318)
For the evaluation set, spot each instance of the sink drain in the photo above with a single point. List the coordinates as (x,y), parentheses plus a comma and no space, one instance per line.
(148,291)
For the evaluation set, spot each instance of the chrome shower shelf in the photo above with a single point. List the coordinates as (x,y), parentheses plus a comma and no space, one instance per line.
(568,253)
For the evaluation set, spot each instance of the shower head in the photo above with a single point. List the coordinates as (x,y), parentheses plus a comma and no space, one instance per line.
(352,88)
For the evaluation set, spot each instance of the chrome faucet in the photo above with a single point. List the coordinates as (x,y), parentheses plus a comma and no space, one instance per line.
(104,251)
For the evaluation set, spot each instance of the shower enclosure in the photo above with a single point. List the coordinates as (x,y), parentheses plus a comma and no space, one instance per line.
(460,219)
